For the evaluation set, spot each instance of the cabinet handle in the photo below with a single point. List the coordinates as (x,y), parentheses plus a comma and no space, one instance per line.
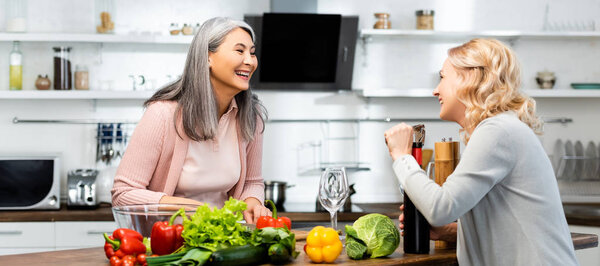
(97,232)
(16,232)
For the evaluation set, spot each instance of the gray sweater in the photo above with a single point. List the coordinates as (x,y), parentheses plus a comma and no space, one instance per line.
(504,195)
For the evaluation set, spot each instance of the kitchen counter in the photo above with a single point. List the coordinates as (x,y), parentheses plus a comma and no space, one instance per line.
(577,214)
(304,213)
(95,256)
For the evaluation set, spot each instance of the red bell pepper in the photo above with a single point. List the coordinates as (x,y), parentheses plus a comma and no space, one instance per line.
(123,242)
(268,221)
(166,237)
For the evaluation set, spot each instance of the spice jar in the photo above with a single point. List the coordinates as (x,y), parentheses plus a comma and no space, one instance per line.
(42,83)
(424,19)
(82,78)
(62,68)
(174,29)
(383,21)
(187,29)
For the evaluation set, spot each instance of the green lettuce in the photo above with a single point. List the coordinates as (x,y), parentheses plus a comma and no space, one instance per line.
(214,229)
(373,235)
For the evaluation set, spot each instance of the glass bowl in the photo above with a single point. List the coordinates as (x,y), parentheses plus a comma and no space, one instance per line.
(141,218)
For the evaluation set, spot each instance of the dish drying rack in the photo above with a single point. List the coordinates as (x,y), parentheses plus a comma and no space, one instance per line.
(577,181)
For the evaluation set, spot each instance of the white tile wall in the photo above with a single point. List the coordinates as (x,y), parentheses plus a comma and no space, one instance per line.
(386,62)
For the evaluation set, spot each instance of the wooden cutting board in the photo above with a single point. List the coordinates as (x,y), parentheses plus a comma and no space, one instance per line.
(300,234)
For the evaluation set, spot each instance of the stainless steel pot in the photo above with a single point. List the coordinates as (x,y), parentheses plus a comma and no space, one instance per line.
(275,191)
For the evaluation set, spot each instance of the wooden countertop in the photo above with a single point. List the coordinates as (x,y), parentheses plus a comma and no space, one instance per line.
(577,214)
(95,256)
(104,213)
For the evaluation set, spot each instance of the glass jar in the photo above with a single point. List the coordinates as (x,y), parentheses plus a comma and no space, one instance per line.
(82,81)
(174,29)
(424,19)
(16,68)
(383,21)
(62,68)
(16,16)
(187,29)
(105,13)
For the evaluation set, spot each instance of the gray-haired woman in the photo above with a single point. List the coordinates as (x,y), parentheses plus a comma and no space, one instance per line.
(200,138)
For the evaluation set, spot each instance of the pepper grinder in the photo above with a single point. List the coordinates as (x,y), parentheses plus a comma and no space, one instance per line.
(416,227)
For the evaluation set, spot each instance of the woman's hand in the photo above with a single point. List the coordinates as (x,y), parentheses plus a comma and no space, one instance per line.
(445,232)
(399,140)
(255,210)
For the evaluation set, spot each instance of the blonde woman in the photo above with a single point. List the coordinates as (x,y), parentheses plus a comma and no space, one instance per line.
(503,192)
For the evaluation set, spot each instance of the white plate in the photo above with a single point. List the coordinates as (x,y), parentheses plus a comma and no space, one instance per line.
(590,162)
(578,162)
(558,152)
(569,163)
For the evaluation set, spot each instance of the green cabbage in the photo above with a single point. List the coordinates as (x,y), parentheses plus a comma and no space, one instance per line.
(373,235)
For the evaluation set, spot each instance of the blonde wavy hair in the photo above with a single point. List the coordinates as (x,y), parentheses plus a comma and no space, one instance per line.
(490,76)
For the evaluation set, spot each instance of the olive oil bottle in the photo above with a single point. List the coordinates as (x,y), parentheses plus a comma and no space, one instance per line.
(16,68)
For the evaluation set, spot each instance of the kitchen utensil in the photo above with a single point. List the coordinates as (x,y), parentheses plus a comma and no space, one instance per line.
(333,191)
(558,152)
(569,161)
(591,161)
(585,86)
(579,160)
(275,191)
(81,188)
(141,218)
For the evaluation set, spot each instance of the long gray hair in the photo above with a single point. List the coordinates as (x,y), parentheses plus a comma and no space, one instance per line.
(194,92)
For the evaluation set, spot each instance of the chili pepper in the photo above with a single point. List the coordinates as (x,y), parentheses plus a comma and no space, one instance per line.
(268,221)
(323,245)
(123,242)
(166,237)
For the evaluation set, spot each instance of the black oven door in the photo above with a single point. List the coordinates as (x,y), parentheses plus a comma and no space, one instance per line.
(29,183)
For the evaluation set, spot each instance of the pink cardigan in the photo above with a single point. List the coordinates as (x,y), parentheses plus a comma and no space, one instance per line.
(154,158)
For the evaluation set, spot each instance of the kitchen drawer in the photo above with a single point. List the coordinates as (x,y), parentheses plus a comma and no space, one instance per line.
(82,234)
(27,235)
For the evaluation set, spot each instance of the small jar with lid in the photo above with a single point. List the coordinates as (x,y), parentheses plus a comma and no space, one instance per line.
(82,80)
(174,29)
(383,21)
(425,19)
(187,29)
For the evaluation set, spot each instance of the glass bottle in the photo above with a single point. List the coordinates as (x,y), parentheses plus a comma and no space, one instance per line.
(62,68)
(16,16)
(81,78)
(16,68)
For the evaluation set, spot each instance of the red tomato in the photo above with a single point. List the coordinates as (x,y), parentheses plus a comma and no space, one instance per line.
(141,258)
(115,261)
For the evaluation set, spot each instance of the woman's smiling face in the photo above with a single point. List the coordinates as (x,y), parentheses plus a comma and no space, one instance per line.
(451,108)
(232,65)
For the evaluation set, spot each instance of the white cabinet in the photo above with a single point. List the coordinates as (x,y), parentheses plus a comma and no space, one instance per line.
(27,237)
(81,234)
(588,256)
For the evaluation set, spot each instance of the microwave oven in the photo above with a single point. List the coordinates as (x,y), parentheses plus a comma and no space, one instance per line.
(303,52)
(29,182)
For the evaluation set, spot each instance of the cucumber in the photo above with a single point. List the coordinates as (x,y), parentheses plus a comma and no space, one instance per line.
(241,255)
(279,254)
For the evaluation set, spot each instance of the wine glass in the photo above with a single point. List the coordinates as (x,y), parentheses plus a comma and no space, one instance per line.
(333,191)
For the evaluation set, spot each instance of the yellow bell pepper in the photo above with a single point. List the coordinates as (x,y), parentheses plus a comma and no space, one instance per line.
(323,245)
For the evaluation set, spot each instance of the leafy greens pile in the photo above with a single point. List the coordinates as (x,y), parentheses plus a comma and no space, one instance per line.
(215,229)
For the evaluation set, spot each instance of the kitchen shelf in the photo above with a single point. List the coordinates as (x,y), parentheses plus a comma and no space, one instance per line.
(95,38)
(510,34)
(424,93)
(75,95)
